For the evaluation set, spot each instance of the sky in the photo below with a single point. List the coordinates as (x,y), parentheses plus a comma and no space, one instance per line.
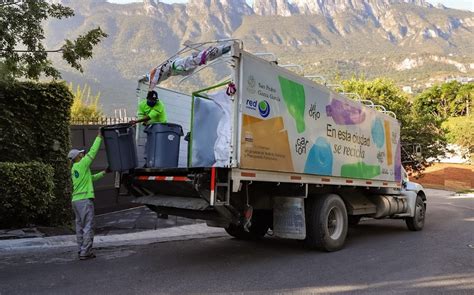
(458,4)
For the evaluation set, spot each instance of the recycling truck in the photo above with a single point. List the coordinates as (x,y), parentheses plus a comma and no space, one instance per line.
(272,151)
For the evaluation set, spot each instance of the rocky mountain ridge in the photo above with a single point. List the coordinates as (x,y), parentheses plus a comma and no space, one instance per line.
(334,37)
(327,7)
(394,20)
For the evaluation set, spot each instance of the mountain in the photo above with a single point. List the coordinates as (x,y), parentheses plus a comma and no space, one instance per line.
(410,41)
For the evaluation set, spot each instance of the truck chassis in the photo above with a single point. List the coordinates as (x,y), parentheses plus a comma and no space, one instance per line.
(242,201)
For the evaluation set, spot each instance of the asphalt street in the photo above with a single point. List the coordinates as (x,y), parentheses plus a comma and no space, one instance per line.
(380,257)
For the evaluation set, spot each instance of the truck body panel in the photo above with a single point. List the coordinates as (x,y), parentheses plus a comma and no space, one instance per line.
(291,124)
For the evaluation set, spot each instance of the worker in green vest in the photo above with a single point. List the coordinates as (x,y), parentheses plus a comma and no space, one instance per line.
(151,110)
(83,196)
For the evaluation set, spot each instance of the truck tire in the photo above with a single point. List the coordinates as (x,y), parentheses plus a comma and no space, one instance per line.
(417,222)
(261,222)
(326,223)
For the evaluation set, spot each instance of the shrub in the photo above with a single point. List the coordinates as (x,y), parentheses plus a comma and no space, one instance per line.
(85,107)
(26,190)
(34,126)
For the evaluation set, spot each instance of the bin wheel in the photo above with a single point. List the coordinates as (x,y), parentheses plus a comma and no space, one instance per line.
(261,222)
(326,222)
(417,222)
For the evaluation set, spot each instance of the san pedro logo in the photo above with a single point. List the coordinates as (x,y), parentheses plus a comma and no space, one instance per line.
(264,108)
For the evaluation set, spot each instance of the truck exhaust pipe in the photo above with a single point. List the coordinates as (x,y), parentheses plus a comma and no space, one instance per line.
(389,205)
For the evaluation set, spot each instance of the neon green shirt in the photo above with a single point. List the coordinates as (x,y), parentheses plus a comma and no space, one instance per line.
(157,113)
(82,177)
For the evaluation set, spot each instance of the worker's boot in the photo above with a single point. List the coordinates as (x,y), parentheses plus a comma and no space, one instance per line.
(90,256)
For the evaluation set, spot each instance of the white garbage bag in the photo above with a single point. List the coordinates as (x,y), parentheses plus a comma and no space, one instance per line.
(224,135)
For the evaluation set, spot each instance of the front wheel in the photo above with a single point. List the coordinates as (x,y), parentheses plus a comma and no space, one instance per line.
(417,222)
(326,223)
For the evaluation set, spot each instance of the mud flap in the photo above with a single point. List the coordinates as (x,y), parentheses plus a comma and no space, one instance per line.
(289,218)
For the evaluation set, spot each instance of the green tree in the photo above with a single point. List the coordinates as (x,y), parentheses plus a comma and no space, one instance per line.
(464,100)
(460,131)
(446,100)
(85,107)
(452,104)
(382,92)
(422,129)
(22,53)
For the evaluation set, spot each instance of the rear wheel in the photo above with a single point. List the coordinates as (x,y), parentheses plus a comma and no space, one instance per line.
(326,223)
(261,222)
(417,222)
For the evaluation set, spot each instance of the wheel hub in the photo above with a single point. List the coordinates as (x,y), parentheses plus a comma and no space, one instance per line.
(420,213)
(335,223)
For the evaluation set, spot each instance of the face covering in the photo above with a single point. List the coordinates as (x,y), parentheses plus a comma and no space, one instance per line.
(151,103)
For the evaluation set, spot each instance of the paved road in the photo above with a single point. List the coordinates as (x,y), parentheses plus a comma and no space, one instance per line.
(380,257)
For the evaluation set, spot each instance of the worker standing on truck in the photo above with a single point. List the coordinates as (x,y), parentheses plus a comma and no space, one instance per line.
(151,110)
(83,196)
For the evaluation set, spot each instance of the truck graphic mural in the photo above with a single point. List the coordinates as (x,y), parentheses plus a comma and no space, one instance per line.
(312,130)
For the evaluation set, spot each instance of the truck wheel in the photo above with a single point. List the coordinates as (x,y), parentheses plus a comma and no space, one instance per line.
(326,223)
(354,220)
(261,222)
(417,222)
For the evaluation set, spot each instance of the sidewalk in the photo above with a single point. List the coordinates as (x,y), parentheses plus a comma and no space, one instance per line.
(179,233)
(136,220)
(124,221)
(136,226)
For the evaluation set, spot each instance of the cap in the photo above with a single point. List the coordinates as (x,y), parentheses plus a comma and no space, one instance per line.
(74,153)
(152,95)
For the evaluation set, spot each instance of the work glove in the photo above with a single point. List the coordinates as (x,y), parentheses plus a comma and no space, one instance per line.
(188,136)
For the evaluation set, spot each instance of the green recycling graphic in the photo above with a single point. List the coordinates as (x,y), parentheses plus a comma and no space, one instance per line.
(295,100)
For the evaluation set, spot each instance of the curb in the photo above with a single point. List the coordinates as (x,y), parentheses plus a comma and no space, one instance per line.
(119,211)
(179,233)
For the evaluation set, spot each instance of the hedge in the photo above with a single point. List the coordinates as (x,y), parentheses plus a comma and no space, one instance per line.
(34,126)
(26,190)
